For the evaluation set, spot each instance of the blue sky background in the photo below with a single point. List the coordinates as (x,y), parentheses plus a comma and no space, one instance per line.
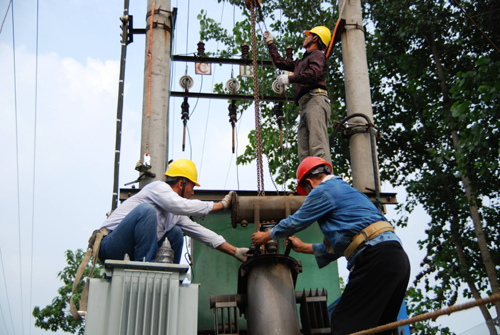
(57,186)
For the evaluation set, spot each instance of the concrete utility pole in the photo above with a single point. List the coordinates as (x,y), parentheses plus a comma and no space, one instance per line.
(154,138)
(358,97)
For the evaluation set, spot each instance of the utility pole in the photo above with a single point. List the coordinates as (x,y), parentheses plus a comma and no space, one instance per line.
(154,140)
(358,97)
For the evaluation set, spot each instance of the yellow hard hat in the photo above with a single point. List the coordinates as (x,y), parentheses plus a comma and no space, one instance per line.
(323,33)
(183,168)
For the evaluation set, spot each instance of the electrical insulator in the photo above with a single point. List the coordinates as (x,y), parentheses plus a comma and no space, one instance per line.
(277,88)
(289,53)
(201,49)
(185,118)
(233,85)
(186,82)
(232,117)
(124,27)
(245,50)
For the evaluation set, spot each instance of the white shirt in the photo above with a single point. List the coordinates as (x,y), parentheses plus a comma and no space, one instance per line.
(171,209)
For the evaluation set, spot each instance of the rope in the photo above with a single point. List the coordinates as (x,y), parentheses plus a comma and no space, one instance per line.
(258,134)
(431,315)
(149,73)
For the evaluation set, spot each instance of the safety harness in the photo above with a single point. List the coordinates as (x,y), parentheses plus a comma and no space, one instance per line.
(92,251)
(359,240)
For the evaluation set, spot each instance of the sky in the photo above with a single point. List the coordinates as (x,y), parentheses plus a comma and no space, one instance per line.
(57,139)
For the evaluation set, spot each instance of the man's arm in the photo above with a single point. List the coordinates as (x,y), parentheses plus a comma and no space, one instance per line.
(210,238)
(299,246)
(238,253)
(224,203)
(316,62)
(281,63)
(217,207)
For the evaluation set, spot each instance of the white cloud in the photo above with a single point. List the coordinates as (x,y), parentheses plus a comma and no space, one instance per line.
(75,138)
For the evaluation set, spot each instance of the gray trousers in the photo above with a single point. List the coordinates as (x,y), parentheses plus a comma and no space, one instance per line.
(313,128)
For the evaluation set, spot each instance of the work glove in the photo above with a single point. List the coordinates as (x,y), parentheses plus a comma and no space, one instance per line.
(226,201)
(268,37)
(241,254)
(283,79)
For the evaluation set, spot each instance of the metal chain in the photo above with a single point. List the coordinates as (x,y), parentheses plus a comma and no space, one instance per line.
(258,134)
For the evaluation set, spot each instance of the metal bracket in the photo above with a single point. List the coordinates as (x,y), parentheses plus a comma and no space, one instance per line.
(156,24)
(226,313)
(358,27)
(313,311)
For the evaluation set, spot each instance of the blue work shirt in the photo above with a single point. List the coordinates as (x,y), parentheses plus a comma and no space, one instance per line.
(342,212)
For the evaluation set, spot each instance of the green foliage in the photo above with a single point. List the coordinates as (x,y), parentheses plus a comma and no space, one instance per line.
(434,82)
(420,304)
(57,315)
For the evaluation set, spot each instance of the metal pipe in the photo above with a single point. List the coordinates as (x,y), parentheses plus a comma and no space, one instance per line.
(226,96)
(271,305)
(194,59)
(270,208)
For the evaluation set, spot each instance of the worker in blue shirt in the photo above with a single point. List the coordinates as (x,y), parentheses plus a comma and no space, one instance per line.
(353,227)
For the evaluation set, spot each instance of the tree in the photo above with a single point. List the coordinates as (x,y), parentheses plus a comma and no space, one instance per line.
(56,315)
(423,50)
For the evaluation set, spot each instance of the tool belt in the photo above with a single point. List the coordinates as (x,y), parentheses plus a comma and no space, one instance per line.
(367,234)
(92,251)
(317,91)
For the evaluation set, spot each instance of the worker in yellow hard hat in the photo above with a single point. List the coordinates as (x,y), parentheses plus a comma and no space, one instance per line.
(310,94)
(160,211)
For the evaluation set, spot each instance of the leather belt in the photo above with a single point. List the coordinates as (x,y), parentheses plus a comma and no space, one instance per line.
(367,234)
(317,91)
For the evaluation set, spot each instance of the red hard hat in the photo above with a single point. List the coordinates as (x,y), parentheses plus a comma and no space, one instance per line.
(305,167)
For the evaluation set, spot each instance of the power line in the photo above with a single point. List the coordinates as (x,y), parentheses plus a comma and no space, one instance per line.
(34,161)
(3,319)
(6,293)
(491,42)
(7,12)
(187,32)
(209,103)
(488,12)
(17,170)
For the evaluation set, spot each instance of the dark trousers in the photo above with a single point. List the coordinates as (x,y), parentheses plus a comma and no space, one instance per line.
(375,291)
